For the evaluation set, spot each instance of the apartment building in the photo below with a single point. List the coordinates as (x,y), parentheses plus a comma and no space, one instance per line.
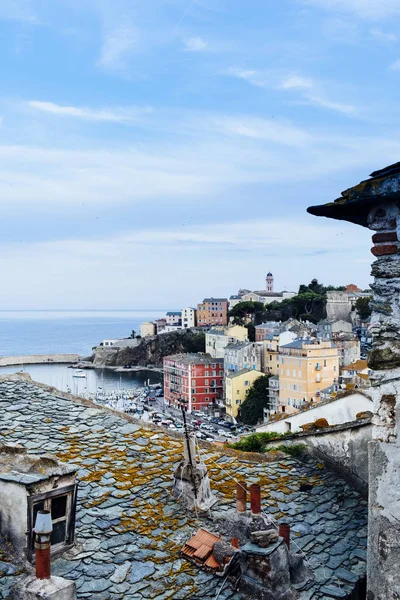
(147,329)
(219,337)
(237,383)
(212,311)
(270,350)
(193,381)
(305,368)
(174,317)
(189,317)
(239,356)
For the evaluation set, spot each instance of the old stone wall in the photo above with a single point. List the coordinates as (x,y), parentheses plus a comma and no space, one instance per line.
(344,448)
(338,306)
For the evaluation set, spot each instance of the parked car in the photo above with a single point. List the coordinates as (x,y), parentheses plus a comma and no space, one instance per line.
(201,436)
(215,420)
(221,432)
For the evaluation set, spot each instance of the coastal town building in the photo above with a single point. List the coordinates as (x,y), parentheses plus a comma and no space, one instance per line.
(237,384)
(160,324)
(219,337)
(270,350)
(327,328)
(273,397)
(356,374)
(193,381)
(189,317)
(352,288)
(239,356)
(147,329)
(269,282)
(267,297)
(306,367)
(233,300)
(212,311)
(336,411)
(266,329)
(174,317)
(348,346)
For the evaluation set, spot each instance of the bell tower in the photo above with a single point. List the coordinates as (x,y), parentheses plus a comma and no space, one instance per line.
(269,282)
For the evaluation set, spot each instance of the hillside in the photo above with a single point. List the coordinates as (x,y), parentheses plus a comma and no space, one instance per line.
(152,350)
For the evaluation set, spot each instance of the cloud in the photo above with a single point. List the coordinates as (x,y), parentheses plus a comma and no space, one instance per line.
(116,115)
(264,129)
(383,36)
(118,46)
(195,44)
(367,9)
(395,66)
(18,10)
(346,109)
(293,83)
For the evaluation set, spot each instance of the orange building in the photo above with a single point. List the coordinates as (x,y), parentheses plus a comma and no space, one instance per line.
(212,311)
(351,288)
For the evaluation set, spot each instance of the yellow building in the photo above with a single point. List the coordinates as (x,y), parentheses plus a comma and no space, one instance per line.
(236,385)
(271,351)
(147,329)
(219,337)
(305,368)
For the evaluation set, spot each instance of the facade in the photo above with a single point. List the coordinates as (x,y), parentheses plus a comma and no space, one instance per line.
(237,383)
(147,329)
(327,328)
(189,317)
(193,381)
(233,300)
(270,351)
(349,348)
(306,367)
(267,297)
(212,311)
(273,397)
(337,411)
(171,328)
(174,317)
(217,339)
(351,288)
(239,356)
(160,325)
(269,282)
(267,329)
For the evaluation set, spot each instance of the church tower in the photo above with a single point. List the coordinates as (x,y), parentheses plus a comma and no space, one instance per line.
(270,282)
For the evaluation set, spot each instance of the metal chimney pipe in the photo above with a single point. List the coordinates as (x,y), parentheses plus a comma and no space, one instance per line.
(284,532)
(241,496)
(235,542)
(43,528)
(255,499)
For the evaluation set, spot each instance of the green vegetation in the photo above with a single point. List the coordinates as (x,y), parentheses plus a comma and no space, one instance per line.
(245,313)
(258,442)
(252,409)
(255,442)
(363,307)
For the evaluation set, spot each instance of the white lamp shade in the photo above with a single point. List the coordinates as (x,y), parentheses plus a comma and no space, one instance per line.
(43,522)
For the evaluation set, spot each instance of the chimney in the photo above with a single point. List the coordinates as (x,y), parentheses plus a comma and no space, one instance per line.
(43,529)
(235,542)
(241,496)
(255,499)
(284,532)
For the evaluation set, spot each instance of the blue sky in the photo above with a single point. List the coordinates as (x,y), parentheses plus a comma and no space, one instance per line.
(153,153)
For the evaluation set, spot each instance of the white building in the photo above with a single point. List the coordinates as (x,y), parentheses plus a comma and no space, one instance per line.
(188,317)
(337,411)
(218,338)
(174,317)
(241,356)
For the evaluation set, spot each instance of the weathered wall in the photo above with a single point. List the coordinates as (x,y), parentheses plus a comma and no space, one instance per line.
(13,514)
(338,306)
(344,448)
(335,412)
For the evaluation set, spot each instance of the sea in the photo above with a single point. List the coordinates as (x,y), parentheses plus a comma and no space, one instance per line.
(23,333)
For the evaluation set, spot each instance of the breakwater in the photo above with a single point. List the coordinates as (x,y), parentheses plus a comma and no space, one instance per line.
(38,359)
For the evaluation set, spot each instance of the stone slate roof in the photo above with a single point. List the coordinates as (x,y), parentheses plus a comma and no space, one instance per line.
(195,359)
(130,529)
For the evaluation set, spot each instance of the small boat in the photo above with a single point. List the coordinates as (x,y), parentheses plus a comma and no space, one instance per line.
(79,373)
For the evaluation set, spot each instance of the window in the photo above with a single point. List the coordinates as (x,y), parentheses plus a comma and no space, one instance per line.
(207,399)
(206,373)
(324,363)
(193,382)
(299,374)
(206,381)
(62,505)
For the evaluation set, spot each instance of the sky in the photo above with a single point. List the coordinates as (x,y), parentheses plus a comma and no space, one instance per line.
(155,153)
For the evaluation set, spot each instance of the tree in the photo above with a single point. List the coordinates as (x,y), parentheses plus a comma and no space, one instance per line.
(247,312)
(363,307)
(133,334)
(251,332)
(252,409)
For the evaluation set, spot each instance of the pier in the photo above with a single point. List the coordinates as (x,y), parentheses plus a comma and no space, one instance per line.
(38,359)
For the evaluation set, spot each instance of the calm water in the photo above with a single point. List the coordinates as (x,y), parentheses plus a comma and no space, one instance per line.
(59,332)
(61,377)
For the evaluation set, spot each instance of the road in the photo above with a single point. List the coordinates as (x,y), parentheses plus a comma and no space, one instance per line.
(160,406)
